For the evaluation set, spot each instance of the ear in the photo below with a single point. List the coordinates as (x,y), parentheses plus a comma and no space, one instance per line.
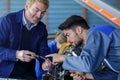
(79,29)
(26,6)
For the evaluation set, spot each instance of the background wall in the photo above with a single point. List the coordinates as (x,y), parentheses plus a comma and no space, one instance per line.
(58,11)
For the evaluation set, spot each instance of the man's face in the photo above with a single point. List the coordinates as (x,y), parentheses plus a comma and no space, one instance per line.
(35,12)
(73,37)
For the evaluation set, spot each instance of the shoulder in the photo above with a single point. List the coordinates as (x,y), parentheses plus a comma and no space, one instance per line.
(13,16)
(41,25)
(105,29)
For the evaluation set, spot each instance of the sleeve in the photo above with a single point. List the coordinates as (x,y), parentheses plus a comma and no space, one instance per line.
(53,46)
(6,54)
(92,53)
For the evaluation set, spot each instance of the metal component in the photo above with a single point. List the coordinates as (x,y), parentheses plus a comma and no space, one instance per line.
(38,56)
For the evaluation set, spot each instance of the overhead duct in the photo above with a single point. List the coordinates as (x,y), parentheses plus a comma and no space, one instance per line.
(105,11)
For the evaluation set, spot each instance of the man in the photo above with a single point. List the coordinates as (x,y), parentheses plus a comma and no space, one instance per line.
(22,35)
(100,55)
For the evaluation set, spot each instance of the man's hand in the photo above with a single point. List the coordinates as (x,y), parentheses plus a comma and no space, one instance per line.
(46,65)
(77,75)
(56,58)
(25,55)
(81,76)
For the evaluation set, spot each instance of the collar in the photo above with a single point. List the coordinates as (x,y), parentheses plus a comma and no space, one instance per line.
(25,23)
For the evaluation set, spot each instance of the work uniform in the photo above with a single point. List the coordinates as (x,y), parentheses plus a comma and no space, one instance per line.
(102,49)
(14,35)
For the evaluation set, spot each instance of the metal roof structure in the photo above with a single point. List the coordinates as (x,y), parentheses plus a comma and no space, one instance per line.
(105,11)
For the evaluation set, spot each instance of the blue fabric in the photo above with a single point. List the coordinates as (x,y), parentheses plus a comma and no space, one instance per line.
(118,77)
(53,46)
(10,41)
(38,70)
(107,29)
(101,42)
(105,74)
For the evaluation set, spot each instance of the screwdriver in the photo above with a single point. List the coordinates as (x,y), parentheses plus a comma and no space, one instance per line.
(38,56)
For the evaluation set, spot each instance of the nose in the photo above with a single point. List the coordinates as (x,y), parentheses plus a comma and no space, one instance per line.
(68,40)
